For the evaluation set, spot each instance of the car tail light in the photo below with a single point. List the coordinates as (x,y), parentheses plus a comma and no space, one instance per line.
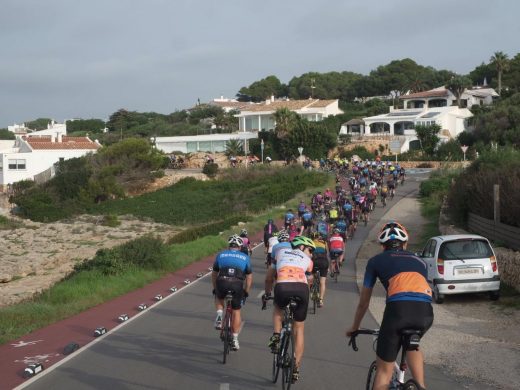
(493,260)
(440,266)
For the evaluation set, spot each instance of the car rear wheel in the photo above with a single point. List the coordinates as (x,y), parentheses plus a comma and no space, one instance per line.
(437,296)
(494,295)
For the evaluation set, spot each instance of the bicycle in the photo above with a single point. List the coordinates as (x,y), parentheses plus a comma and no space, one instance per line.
(226,333)
(315,291)
(392,194)
(410,339)
(284,358)
(383,201)
(334,266)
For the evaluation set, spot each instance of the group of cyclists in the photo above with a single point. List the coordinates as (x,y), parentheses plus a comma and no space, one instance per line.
(301,250)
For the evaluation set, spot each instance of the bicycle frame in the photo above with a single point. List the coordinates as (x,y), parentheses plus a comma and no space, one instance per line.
(226,332)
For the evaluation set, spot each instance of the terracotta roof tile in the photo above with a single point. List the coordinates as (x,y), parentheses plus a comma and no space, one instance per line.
(426,94)
(76,143)
(292,105)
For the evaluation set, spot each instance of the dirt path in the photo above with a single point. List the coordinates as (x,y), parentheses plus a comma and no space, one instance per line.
(473,338)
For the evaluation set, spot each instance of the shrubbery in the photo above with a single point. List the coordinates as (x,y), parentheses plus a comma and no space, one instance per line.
(147,252)
(473,190)
(212,229)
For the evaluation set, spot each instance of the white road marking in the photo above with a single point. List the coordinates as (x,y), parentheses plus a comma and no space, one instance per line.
(22,343)
(224,386)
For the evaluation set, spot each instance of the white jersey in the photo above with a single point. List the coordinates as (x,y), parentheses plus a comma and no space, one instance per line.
(271,242)
(291,266)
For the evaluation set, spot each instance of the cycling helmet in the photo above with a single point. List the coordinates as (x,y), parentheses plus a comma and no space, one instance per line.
(243,233)
(393,234)
(336,230)
(235,240)
(302,240)
(283,235)
(315,235)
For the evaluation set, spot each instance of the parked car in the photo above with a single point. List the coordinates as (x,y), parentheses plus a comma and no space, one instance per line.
(459,264)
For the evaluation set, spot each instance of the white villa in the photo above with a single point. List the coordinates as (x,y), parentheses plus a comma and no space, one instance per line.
(214,143)
(260,117)
(437,106)
(29,155)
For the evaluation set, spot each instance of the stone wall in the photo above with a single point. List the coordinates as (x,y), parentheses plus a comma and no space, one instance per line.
(508,260)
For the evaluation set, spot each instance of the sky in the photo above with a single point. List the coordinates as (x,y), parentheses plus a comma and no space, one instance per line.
(65,59)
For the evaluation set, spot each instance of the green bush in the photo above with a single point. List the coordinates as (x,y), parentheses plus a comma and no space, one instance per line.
(210,169)
(210,229)
(111,220)
(146,252)
(361,151)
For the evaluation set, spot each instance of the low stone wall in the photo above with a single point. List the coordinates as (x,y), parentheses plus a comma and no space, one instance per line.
(508,260)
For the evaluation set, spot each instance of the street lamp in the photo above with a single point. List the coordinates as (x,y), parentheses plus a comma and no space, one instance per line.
(262,149)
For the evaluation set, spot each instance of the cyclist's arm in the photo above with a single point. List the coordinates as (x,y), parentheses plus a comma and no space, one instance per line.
(249,282)
(364,301)
(214,275)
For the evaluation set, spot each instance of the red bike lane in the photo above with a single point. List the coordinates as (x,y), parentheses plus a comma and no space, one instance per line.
(46,345)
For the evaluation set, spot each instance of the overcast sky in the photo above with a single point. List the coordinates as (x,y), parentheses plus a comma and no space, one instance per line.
(88,58)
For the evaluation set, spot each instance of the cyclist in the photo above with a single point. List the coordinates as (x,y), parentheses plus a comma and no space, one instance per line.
(269,229)
(391,185)
(320,262)
(408,301)
(283,242)
(337,246)
(246,244)
(290,268)
(273,240)
(384,194)
(230,269)
(289,218)
(301,209)
(342,226)
(307,218)
(322,227)
(333,214)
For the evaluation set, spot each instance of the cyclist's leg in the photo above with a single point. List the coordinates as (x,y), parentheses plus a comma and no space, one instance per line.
(383,374)
(415,361)
(299,341)
(323,286)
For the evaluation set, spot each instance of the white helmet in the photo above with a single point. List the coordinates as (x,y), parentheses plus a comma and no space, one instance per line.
(283,235)
(235,240)
(391,232)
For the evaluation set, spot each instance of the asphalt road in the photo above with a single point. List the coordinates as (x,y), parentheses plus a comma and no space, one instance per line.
(174,345)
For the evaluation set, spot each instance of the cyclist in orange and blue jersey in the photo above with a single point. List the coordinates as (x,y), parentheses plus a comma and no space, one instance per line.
(408,302)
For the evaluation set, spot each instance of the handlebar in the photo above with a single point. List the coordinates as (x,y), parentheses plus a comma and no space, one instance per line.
(265,299)
(352,341)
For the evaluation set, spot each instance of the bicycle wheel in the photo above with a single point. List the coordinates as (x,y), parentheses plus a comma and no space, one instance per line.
(336,271)
(314,297)
(276,366)
(371,377)
(411,384)
(227,336)
(288,363)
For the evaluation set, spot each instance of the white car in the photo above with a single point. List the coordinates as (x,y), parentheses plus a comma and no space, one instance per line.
(459,264)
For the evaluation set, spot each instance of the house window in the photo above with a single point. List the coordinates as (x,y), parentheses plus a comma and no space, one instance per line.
(16,164)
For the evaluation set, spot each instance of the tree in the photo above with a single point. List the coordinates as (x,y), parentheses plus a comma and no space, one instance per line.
(263,89)
(85,126)
(457,85)
(512,77)
(234,147)
(501,62)
(38,124)
(285,120)
(6,134)
(428,137)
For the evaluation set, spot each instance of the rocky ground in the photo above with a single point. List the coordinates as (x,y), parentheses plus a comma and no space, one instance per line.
(473,338)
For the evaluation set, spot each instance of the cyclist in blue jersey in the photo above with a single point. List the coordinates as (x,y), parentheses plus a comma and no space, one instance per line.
(283,242)
(231,270)
(408,302)
(307,219)
(342,226)
(288,219)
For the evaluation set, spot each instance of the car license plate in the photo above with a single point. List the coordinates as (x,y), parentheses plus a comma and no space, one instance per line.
(465,271)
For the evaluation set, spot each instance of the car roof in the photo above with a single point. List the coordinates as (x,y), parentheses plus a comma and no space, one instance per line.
(454,237)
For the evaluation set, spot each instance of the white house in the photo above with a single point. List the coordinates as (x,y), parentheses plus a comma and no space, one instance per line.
(30,155)
(53,128)
(228,104)
(260,117)
(437,106)
(200,143)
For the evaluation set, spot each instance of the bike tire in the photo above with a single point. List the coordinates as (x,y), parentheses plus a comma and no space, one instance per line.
(336,271)
(315,296)
(276,367)
(411,384)
(288,366)
(227,337)
(371,376)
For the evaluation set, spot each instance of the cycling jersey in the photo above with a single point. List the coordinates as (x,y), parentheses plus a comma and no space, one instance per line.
(307,216)
(271,243)
(322,228)
(291,266)
(403,275)
(280,245)
(341,226)
(232,263)
(289,217)
(336,243)
(333,213)
(321,246)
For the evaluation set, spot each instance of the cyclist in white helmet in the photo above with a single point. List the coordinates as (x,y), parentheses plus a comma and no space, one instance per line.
(408,301)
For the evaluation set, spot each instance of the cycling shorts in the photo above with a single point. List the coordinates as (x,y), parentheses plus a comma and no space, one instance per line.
(307,224)
(225,284)
(320,263)
(284,291)
(401,315)
(269,259)
(335,253)
(391,186)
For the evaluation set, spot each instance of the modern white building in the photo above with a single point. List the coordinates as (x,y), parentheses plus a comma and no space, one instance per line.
(260,116)
(213,143)
(437,106)
(53,128)
(228,104)
(30,155)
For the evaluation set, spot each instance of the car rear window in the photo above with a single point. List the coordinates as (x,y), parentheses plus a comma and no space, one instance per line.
(465,249)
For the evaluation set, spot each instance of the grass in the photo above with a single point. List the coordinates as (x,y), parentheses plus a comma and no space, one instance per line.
(86,289)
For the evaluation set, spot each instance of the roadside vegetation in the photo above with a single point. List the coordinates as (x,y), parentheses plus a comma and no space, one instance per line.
(116,271)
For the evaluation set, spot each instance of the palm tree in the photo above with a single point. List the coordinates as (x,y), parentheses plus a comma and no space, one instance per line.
(501,62)
(234,148)
(285,121)
(457,85)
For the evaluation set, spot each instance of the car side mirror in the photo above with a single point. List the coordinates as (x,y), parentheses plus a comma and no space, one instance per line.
(418,254)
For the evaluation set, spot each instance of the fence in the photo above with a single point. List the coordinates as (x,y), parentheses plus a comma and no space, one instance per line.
(495,231)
